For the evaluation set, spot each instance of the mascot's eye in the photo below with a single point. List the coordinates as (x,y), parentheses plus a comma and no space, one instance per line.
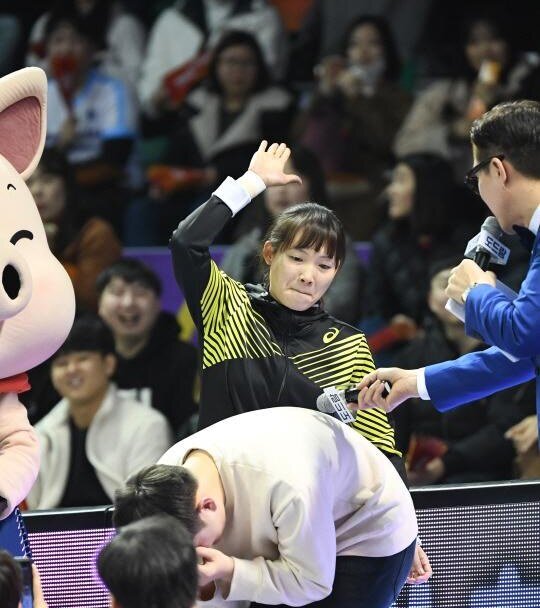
(11,187)
(21,234)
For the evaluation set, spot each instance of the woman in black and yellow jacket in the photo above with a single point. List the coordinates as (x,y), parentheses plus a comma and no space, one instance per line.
(266,347)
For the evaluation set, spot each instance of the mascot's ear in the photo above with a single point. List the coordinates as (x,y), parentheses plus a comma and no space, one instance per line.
(23,118)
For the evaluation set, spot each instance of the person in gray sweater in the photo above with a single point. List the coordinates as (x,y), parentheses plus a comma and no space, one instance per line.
(309,517)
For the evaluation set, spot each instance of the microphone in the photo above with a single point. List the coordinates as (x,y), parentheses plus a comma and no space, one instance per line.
(485,247)
(349,395)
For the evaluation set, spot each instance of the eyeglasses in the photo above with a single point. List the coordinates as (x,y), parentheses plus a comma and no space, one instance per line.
(471,177)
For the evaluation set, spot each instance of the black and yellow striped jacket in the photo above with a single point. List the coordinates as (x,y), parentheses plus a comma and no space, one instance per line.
(257,353)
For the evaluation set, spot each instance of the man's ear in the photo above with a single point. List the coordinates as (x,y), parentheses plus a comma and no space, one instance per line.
(206,504)
(110,364)
(114,602)
(268,252)
(501,170)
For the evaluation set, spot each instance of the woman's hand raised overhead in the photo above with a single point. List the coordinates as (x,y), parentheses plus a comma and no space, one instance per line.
(269,164)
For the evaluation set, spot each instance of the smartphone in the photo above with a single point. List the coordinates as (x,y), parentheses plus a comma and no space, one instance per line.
(27,599)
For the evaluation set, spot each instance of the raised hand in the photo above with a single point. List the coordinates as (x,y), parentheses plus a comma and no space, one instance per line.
(269,164)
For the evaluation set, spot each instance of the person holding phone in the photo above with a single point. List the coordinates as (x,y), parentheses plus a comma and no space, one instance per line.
(20,584)
(489,70)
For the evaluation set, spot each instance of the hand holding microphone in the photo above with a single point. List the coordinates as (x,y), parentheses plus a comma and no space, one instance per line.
(485,248)
(334,401)
(385,388)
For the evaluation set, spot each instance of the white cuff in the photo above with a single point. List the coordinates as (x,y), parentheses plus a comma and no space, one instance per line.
(233,195)
(421,384)
(252,182)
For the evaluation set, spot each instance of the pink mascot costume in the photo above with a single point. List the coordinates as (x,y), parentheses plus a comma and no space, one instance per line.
(37,303)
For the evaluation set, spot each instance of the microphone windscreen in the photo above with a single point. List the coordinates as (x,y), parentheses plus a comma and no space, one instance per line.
(324,405)
(492,226)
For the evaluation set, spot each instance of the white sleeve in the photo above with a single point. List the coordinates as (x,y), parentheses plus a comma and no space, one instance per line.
(421,384)
(305,569)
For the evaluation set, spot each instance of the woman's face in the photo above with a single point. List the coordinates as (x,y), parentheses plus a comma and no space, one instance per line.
(401,192)
(237,70)
(298,278)
(365,45)
(279,198)
(49,193)
(485,44)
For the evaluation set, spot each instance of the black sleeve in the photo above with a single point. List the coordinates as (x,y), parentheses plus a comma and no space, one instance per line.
(190,242)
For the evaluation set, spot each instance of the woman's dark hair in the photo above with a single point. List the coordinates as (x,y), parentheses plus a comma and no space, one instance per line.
(158,489)
(53,162)
(306,163)
(89,333)
(90,26)
(497,23)
(151,563)
(393,63)
(238,38)
(308,225)
(434,187)
(10,581)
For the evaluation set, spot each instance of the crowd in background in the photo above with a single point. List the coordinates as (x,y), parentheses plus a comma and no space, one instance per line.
(152,104)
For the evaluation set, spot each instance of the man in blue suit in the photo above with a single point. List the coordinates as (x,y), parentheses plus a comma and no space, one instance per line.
(506,174)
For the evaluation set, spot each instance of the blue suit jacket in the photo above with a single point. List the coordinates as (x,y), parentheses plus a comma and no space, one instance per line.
(512,325)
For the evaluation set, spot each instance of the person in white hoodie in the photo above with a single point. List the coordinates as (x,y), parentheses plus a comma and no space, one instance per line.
(95,437)
(288,507)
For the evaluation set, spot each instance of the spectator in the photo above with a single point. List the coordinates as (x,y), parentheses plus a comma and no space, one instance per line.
(240,262)
(11,584)
(91,117)
(314,530)
(182,30)
(84,247)
(227,117)
(322,29)
(524,434)
(420,199)
(442,115)
(157,368)
(151,562)
(123,51)
(352,119)
(461,445)
(94,438)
